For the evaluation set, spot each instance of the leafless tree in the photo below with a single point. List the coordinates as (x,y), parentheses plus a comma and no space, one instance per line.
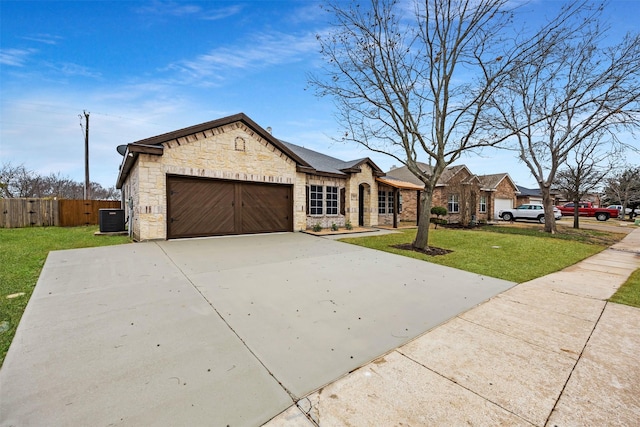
(20,182)
(585,170)
(624,188)
(17,181)
(414,84)
(576,89)
(98,192)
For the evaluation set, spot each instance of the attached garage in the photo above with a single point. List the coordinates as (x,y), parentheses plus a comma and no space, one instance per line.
(501,204)
(211,207)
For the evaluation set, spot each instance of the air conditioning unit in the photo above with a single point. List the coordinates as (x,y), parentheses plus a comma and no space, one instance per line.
(111,220)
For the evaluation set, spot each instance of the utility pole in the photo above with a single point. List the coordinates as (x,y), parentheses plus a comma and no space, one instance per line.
(87,190)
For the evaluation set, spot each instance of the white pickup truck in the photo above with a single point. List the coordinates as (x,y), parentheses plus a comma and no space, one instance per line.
(628,211)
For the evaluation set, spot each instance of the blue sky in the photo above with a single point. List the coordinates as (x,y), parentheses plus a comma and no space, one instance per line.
(145,68)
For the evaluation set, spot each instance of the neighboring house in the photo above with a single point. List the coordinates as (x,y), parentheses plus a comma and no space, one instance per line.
(466,196)
(501,193)
(231,176)
(533,195)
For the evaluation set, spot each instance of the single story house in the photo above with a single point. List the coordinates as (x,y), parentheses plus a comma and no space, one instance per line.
(231,176)
(466,196)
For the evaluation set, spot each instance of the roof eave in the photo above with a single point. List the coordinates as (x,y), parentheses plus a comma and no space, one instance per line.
(240,117)
(131,157)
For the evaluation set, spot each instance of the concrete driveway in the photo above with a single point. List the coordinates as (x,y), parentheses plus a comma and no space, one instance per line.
(216,331)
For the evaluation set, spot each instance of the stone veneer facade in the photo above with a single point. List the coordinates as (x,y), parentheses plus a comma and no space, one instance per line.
(231,152)
(234,151)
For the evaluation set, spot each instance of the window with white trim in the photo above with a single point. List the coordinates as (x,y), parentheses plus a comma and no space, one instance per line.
(390,202)
(454,203)
(332,200)
(382,202)
(315,200)
(483,204)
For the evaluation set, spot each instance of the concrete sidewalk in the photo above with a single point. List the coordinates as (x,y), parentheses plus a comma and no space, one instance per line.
(549,352)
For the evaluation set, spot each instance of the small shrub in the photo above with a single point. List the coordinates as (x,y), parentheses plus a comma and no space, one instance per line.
(348,225)
(334,227)
(317,228)
(438,221)
(438,211)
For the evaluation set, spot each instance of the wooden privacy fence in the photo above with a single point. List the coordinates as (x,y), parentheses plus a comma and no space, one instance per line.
(17,213)
(82,212)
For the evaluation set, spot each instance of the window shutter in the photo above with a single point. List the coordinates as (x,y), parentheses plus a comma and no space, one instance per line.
(307,199)
(343,200)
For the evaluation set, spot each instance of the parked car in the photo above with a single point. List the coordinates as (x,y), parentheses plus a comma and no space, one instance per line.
(628,211)
(588,209)
(527,211)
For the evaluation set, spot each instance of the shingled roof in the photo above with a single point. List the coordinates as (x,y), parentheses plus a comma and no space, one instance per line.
(307,161)
(324,164)
(531,192)
(404,174)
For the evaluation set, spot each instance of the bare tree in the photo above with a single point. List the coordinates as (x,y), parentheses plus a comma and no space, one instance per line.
(575,90)
(20,182)
(624,188)
(98,192)
(414,84)
(584,172)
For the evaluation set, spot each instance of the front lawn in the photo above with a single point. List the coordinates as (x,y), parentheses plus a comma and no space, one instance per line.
(514,254)
(629,292)
(23,252)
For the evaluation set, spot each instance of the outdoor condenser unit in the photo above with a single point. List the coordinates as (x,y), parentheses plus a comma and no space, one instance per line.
(111,220)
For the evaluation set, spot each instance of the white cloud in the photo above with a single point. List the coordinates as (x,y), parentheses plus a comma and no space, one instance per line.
(43,38)
(221,13)
(169,8)
(15,57)
(179,10)
(259,51)
(69,69)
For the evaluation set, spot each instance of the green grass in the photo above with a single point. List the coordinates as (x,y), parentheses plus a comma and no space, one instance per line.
(23,252)
(629,292)
(515,254)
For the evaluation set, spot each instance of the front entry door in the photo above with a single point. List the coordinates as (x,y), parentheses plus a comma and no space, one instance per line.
(361,205)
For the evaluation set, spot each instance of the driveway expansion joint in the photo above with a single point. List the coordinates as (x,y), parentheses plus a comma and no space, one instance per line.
(197,289)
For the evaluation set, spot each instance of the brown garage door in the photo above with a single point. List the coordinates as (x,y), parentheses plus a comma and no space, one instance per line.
(206,207)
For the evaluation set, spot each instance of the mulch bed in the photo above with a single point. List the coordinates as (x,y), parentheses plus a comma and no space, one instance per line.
(429,250)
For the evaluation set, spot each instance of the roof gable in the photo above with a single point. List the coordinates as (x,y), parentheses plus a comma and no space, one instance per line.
(202,127)
(404,174)
(491,182)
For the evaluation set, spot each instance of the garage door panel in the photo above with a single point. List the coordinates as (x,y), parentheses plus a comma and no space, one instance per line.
(266,208)
(502,204)
(198,208)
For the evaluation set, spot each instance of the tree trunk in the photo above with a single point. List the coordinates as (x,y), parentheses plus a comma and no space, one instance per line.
(576,214)
(422,236)
(547,201)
